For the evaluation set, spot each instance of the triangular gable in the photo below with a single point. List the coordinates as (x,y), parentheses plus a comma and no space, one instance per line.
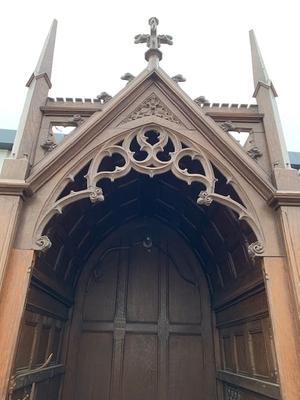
(175,106)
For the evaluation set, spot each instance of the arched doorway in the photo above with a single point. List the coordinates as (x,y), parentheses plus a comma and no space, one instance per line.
(64,316)
(78,340)
(142,321)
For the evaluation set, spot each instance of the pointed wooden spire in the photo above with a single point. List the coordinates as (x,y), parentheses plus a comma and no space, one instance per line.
(44,65)
(265,94)
(38,88)
(260,75)
(259,70)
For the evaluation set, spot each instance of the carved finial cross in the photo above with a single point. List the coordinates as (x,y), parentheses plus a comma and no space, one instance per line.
(153,40)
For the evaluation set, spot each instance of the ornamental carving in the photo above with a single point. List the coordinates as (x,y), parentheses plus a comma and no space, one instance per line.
(228,126)
(152,151)
(255,249)
(254,152)
(152,106)
(204,199)
(43,243)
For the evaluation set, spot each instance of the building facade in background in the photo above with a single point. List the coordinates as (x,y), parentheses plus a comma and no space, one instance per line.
(149,243)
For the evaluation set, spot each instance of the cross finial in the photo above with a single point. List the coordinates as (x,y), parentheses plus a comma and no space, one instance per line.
(153,41)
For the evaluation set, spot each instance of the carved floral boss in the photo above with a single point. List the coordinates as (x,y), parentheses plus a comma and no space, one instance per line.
(150,151)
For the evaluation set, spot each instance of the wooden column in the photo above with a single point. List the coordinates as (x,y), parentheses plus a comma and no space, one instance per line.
(12,301)
(283,313)
(9,212)
(290,225)
(14,266)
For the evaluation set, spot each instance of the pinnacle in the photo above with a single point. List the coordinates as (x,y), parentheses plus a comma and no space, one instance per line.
(44,64)
(259,70)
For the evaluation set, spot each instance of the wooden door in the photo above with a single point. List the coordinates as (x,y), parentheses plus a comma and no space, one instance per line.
(144,322)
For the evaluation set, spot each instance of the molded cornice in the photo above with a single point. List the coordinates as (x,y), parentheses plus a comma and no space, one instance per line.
(284,198)
(14,187)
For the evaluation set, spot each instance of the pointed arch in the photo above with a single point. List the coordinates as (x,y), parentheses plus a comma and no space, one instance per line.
(151,150)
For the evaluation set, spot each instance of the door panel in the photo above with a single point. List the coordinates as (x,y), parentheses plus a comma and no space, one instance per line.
(143,281)
(139,380)
(185,368)
(143,322)
(94,367)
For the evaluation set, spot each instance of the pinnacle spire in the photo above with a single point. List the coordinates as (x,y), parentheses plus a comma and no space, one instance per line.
(38,88)
(44,64)
(260,75)
(259,70)
(265,94)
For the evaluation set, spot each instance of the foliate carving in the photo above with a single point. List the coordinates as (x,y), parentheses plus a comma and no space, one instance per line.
(255,249)
(152,106)
(254,152)
(204,198)
(96,195)
(43,243)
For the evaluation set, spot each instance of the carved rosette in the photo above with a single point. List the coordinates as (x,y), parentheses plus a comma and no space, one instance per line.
(43,243)
(255,249)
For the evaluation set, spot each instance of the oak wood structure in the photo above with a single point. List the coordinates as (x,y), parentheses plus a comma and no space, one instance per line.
(149,254)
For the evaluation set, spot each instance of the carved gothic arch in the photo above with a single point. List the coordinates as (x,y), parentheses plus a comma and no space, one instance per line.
(151,149)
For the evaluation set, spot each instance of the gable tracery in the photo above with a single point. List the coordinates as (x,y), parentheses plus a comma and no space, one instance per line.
(152,151)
